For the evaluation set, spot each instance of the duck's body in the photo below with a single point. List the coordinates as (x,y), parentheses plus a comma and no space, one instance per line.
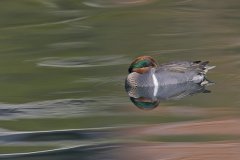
(149,74)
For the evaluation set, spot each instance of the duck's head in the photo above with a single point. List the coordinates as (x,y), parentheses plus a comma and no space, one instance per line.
(142,64)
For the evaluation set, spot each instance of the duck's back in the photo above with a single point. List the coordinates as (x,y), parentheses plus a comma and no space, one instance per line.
(174,73)
(167,77)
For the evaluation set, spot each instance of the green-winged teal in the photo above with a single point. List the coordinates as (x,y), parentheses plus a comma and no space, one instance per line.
(145,72)
(149,83)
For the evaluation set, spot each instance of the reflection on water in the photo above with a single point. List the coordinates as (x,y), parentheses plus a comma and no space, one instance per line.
(144,97)
(62,70)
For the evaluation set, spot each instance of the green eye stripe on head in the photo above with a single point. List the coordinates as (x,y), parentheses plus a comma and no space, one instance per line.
(141,64)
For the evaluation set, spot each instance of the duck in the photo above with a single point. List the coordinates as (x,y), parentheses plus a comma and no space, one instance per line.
(144,71)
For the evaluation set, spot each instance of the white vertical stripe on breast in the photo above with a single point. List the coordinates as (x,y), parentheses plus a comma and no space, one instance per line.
(155,83)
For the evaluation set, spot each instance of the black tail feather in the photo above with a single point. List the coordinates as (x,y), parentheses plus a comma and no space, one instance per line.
(204,63)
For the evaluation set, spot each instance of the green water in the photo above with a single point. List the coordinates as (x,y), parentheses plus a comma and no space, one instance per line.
(63,63)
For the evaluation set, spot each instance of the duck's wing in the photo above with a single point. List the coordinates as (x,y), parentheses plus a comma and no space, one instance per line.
(185,66)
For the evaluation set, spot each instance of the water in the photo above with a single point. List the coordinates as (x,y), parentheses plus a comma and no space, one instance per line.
(63,65)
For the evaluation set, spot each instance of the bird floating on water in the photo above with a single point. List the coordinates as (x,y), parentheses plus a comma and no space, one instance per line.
(149,83)
(144,71)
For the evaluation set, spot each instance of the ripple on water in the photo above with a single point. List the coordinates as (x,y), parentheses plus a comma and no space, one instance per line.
(64,45)
(67,107)
(114,3)
(46,24)
(102,80)
(80,62)
(47,3)
(96,150)
(59,107)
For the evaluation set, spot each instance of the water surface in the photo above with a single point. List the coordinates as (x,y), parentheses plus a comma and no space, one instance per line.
(63,65)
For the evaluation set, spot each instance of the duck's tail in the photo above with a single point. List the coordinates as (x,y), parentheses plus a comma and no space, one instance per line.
(207,68)
(204,66)
(206,82)
(204,69)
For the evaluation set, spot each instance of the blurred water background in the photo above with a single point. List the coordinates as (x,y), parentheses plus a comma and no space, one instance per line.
(63,66)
